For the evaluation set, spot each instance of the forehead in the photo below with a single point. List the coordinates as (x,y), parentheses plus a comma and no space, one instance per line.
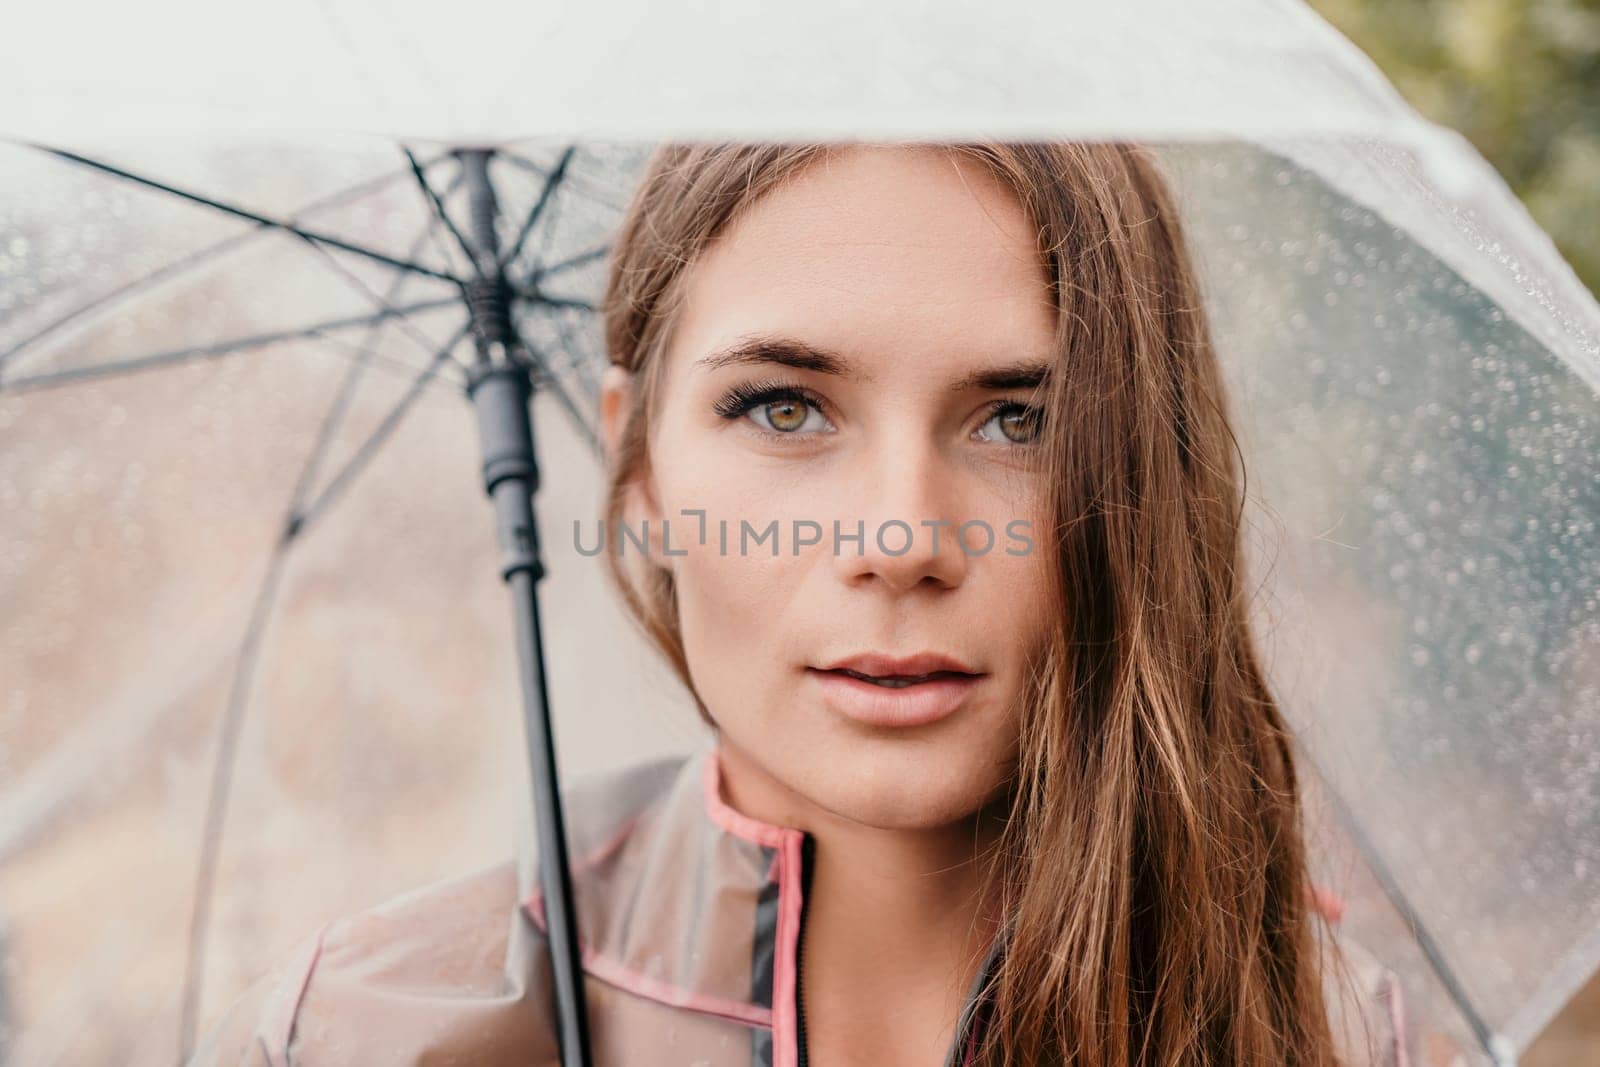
(879,253)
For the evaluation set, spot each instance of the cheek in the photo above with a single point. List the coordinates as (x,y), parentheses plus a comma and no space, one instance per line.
(737,620)
(719,504)
(732,601)
(737,603)
(739,600)
(1018,590)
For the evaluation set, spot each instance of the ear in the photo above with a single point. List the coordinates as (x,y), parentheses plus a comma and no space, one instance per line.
(640,503)
(616,400)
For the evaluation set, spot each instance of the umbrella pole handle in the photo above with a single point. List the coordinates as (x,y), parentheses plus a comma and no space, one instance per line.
(500,390)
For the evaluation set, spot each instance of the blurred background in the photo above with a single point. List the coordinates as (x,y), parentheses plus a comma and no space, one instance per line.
(1520,78)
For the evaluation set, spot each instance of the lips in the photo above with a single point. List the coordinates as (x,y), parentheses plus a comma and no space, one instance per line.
(880,665)
(901,682)
(882,690)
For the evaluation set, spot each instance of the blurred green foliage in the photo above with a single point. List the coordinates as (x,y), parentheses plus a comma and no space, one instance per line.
(1520,79)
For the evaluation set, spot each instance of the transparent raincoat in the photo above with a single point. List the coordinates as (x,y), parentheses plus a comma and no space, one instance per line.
(690,915)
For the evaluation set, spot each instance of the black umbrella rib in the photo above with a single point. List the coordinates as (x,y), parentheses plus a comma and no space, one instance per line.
(194,259)
(440,213)
(359,353)
(548,377)
(220,348)
(533,296)
(550,211)
(216,810)
(552,180)
(365,451)
(252,216)
(1419,930)
(525,163)
(570,262)
(579,423)
(529,289)
(383,302)
(367,354)
(437,220)
(599,194)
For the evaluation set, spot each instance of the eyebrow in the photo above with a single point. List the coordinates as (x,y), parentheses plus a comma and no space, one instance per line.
(766,348)
(758,349)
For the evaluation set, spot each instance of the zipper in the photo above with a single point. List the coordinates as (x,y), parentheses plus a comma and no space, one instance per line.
(806,845)
(975,1020)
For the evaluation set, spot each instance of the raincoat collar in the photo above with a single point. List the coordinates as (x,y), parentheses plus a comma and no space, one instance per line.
(696,906)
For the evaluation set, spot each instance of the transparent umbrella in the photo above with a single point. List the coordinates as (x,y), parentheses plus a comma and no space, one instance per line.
(473,277)
(247,733)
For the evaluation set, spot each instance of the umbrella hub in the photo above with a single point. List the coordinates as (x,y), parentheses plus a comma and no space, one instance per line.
(489,302)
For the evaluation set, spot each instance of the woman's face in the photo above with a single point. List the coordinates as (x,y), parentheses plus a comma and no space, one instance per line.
(895,298)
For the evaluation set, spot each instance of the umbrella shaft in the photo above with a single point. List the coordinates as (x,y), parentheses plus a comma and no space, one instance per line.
(500,390)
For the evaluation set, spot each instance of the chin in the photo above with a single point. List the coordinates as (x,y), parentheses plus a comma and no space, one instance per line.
(887,781)
(922,793)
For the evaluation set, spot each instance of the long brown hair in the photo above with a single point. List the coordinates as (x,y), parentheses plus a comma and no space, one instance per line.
(1153,871)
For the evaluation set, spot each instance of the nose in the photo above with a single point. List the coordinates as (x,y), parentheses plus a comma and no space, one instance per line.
(904,506)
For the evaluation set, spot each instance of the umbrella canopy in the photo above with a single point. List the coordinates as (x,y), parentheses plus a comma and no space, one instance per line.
(626,68)
(1416,376)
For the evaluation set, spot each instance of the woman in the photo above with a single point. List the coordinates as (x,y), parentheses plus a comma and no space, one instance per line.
(921,478)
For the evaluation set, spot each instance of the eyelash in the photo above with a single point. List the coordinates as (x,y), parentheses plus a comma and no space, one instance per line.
(745,397)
